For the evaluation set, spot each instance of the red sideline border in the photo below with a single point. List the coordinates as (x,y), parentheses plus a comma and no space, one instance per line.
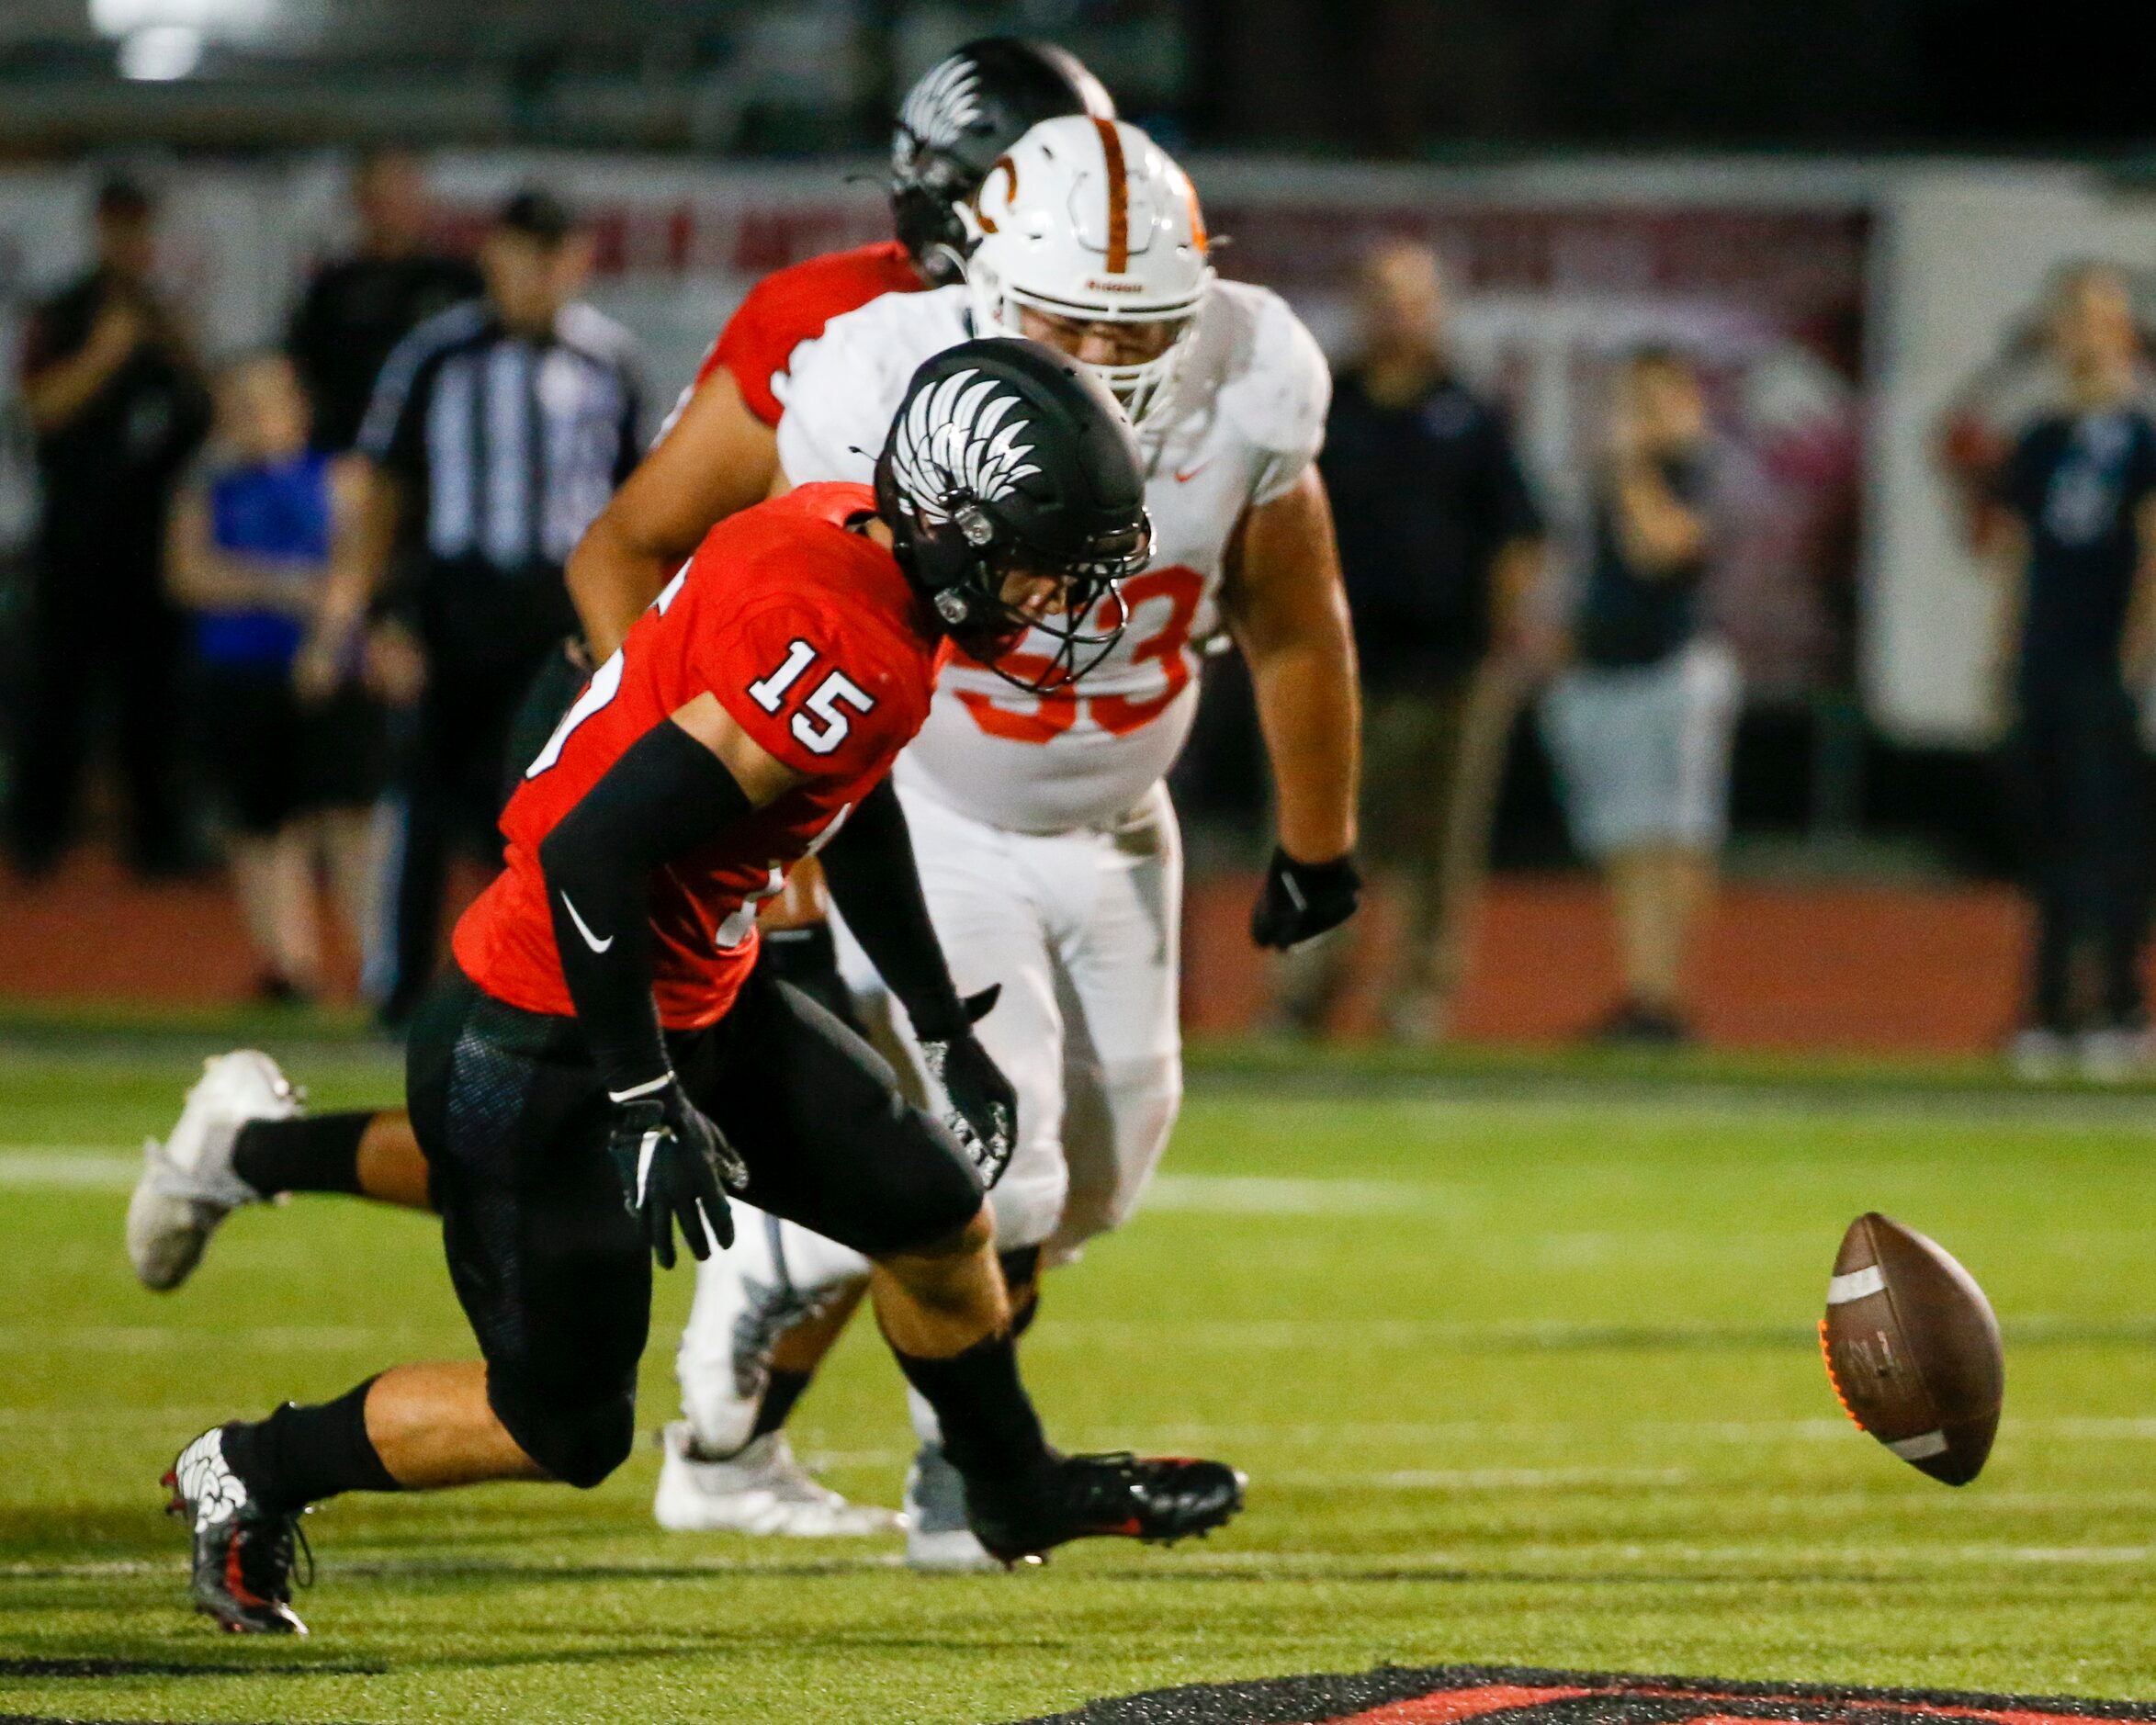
(1504,1695)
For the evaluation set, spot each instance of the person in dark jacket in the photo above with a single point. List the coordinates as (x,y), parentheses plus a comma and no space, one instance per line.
(357,309)
(118,407)
(1441,546)
(2077,544)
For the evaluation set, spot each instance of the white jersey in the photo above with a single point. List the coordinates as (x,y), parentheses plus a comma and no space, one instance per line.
(1246,418)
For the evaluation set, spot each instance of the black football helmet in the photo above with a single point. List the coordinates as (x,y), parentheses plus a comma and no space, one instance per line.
(962,114)
(1005,456)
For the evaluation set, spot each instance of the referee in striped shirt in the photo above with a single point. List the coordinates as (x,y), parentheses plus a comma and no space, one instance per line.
(497,431)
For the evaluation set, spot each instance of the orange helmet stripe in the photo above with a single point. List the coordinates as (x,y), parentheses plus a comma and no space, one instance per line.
(1010,169)
(1119,197)
(1197,218)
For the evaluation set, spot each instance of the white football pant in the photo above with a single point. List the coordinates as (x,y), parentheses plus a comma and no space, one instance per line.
(1082,930)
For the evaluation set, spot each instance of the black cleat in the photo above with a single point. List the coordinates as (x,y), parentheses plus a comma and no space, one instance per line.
(1155,1499)
(244,1554)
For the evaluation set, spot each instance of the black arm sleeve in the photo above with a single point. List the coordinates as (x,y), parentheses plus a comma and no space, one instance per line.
(869,864)
(665,795)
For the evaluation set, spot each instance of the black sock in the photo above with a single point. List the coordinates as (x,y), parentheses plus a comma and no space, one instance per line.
(783,1390)
(300,1455)
(1021,1277)
(989,1425)
(316,1153)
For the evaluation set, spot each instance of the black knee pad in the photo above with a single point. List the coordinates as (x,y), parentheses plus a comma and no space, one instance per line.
(578,1442)
(932,1202)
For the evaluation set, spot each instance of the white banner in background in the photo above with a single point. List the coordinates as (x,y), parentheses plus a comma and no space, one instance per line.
(1969,256)
(1772,272)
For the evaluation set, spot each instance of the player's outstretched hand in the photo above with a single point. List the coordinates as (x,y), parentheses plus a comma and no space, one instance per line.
(1300,900)
(984,1106)
(676,1166)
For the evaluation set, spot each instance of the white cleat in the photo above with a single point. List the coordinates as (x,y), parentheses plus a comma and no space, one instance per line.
(760,1489)
(187,1185)
(2040,1057)
(2113,1054)
(938,1537)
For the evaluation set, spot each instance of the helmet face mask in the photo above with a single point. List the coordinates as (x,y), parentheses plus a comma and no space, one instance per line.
(1141,386)
(1009,464)
(1089,615)
(929,189)
(958,117)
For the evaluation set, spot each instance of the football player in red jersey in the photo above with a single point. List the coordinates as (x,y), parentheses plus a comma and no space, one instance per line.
(608,1062)
(716,456)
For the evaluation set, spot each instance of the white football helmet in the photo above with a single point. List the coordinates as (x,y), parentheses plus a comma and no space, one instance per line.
(1087,220)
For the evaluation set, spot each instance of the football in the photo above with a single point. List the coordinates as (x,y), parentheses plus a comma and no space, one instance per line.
(1913,1350)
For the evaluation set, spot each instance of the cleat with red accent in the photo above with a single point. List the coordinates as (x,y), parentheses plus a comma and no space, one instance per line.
(1121,1497)
(243,1553)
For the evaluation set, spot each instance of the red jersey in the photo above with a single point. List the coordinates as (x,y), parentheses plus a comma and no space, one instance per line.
(813,639)
(790,306)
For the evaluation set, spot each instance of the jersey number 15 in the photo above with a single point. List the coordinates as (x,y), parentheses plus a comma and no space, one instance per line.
(819,727)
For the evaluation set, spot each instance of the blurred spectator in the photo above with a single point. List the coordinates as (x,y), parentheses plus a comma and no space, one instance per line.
(356,311)
(1641,723)
(1441,547)
(2078,553)
(498,431)
(118,408)
(297,770)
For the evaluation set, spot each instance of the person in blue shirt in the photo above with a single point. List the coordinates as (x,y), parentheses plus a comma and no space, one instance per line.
(2077,548)
(290,741)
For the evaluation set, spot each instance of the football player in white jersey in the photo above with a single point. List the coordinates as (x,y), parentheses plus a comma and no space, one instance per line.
(1046,842)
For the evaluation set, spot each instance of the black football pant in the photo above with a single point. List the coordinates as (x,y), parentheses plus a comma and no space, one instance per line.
(2082,798)
(552,1271)
(99,624)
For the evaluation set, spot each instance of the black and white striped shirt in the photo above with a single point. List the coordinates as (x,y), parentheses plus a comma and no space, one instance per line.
(504,448)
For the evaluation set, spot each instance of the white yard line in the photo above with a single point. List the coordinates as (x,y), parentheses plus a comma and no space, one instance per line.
(1436,1098)
(49,1167)
(105,1168)
(1560,1563)
(1539,1565)
(1561,1432)
(1267,1195)
(1485,1479)
(180,1339)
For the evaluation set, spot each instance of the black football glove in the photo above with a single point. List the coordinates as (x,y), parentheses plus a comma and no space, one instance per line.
(676,1166)
(1301,900)
(984,1107)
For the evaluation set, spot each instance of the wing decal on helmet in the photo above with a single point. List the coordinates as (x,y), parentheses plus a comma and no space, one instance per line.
(1119,197)
(954,445)
(943,104)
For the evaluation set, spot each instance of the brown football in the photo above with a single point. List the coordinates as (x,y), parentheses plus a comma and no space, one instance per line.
(1913,1349)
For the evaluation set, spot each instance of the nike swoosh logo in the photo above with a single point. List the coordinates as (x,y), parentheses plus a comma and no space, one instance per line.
(646,1151)
(584,928)
(1185,475)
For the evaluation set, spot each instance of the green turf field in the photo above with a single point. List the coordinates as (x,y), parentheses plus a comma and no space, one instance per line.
(1521,1368)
